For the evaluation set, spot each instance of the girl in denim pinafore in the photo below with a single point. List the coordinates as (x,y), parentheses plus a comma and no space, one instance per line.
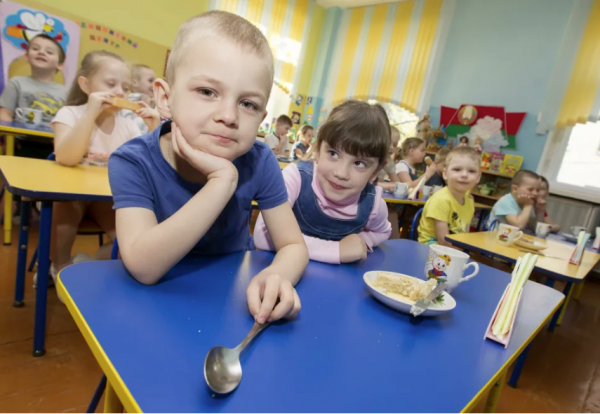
(342,215)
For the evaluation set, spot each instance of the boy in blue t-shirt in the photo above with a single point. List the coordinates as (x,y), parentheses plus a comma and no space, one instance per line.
(188,186)
(516,208)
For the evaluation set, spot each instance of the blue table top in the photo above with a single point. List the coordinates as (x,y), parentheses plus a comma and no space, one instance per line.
(346,352)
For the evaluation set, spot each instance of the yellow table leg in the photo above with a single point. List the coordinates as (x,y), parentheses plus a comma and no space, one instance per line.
(112,404)
(494,395)
(578,290)
(8,197)
(564,308)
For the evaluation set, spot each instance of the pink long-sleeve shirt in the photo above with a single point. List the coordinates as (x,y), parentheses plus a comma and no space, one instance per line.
(377,230)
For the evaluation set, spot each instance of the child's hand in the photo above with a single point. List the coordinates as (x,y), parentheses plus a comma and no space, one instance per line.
(150,115)
(540,203)
(209,165)
(262,294)
(431,169)
(524,199)
(352,249)
(98,102)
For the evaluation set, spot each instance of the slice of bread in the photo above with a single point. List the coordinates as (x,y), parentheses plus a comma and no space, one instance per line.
(126,104)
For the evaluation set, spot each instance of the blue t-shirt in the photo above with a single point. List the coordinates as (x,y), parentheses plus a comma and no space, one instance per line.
(141,177)
(506,206)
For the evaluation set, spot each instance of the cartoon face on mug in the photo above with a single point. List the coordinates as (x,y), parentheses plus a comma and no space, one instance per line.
(438,266)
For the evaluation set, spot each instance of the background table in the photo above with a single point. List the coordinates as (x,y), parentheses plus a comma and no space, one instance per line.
(47,181)
(345,352)
(10,129)
(485,242)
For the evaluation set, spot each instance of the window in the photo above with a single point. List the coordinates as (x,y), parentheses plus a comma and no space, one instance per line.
(404,120)
(571,162)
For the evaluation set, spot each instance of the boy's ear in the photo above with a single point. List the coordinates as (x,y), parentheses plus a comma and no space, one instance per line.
(446,175)
(60,66)
(84,84)
(514,188)
(162,92)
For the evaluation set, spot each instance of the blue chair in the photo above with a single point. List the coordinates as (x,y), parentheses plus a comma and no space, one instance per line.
(114,255)
(414,235)
(493,226)
(86,228)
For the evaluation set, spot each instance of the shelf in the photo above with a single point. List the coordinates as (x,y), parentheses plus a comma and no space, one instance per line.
(482,171)
(496,174)
(489,197)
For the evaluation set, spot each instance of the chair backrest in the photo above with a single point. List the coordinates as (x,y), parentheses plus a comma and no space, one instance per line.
(114,253)
(493,226)
(414,235)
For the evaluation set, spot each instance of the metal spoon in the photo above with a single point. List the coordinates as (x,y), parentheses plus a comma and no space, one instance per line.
(222,367)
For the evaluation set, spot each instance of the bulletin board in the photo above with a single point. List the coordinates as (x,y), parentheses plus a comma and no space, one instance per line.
(86,36)
(19,24)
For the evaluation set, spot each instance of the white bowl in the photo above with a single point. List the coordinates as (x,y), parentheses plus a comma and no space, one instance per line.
(402,303)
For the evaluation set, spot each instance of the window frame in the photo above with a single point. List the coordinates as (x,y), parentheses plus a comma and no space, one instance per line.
(549,166)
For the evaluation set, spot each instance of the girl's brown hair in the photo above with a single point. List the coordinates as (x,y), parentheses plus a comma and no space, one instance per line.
(357,128)
(303,130)
(406,146)
(89,65)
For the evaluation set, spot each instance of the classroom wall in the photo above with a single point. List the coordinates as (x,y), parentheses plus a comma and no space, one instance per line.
(153,20)
(503,53)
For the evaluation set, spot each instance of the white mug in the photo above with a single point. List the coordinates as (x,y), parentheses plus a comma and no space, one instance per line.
(401,190)
(29,115)
(508,234)
(542,230)
(435,189)
(448,264)
(427,190)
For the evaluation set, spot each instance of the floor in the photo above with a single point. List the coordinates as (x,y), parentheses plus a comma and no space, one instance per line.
(562,373)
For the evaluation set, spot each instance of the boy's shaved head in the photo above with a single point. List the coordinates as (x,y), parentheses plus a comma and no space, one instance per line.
(218,24)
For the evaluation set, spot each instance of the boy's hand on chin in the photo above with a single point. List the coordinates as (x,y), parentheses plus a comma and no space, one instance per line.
(524,199)
(209,165)
(262,294)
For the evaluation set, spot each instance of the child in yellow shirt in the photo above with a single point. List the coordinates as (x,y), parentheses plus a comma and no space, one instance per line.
(450,210)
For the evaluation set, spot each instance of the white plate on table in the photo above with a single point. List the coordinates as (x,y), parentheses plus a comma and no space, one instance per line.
(402,303)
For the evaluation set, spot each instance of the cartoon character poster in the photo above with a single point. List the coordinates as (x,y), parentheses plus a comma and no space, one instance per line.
(436,265)
(20,24)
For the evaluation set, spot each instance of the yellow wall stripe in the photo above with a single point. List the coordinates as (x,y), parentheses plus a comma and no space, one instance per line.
(276,23)
(377,25)
(585,76)
(395,49)
(296,29)
(254,12)
(352,37)
(229,5)
(421,54)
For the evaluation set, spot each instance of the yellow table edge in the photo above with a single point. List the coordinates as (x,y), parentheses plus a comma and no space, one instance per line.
(23,131)
(109,370)
(508,363)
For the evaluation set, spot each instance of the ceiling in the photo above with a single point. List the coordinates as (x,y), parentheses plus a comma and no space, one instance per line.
(352,3)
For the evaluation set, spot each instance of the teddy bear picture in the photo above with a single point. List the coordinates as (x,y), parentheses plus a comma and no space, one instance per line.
(504,235)
(437,265)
